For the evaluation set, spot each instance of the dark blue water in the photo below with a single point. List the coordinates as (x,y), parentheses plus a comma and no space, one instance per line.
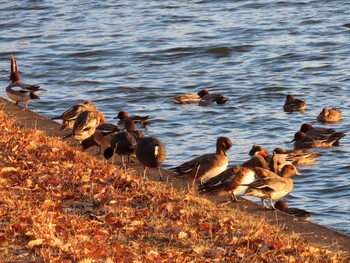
(137,55)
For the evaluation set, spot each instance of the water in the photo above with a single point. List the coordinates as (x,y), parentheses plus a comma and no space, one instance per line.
(137,55)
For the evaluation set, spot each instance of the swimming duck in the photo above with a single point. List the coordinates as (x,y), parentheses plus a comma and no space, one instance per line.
(292,104)
(210,98)
(142,120)
(297,212)
(151,153)
(208,165)
(18,91)
(186,98)
(69,116)
(329,115)
(86,124)
(273,187)
(123,143)
(297,157)
(258,148)
(101,137)
(302,140)
(316,131)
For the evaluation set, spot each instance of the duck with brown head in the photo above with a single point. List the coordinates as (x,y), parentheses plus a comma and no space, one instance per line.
(18,91)
(142,120)
(211,98)
(208,165)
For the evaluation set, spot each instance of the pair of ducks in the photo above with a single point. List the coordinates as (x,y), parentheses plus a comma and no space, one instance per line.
(316,137)
(326,115)
(203,98)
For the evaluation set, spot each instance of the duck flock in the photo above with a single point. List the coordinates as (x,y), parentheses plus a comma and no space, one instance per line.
(268,177)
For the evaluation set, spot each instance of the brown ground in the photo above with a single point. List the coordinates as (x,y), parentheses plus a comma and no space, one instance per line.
(312,233)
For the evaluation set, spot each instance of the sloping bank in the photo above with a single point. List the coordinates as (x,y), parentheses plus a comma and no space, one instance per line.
(309,233)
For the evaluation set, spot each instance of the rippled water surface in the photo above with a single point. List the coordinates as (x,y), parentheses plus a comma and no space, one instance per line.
(137,55)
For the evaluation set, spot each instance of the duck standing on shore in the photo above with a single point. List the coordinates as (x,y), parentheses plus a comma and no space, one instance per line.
(123,143)
(151,153)
(101,137)
(86,124)
(69,116)
(18,91)
(234,180)
(273,187)
(208,165)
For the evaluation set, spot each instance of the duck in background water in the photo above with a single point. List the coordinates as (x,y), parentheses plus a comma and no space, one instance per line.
(329,115)
(203,98)
(18,91)
(292,104)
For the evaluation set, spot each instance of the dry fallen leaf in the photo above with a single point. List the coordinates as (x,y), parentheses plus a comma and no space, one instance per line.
(36,242)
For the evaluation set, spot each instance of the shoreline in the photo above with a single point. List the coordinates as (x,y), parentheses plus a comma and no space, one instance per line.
(311,232)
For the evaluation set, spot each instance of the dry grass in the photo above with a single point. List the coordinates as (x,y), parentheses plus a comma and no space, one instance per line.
(60,205)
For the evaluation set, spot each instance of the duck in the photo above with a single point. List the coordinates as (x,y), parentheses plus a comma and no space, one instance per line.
(123,143)
(316,131)
(186,98)
(297,157)
(276,164)
(86,124)
(101,137)
(273,187)
(142,120)
(302,140)
(258,148)
(129,126)
(292,104)
(151,153)
(206,166)
(210,98)
(258,160)
(297,212)
(69,116)
(329,115)
(233,180)
(18,91)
